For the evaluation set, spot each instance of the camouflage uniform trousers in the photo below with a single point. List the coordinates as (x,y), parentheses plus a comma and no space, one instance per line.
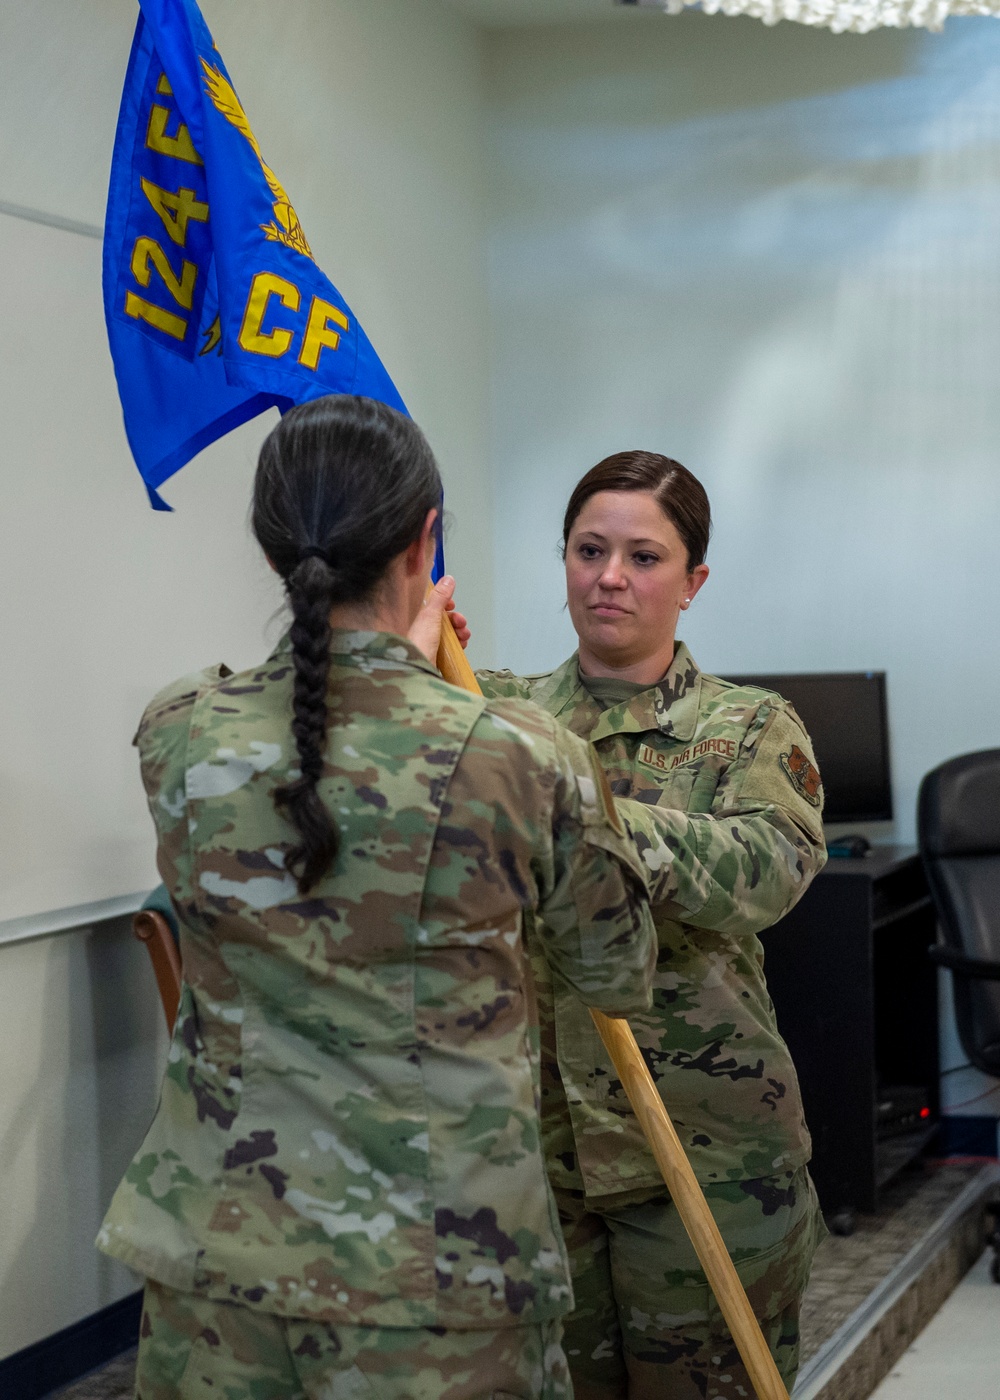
(646,1325)
(195,1348)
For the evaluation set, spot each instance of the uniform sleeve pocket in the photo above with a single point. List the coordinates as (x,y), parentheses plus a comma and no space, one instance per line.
(705,786)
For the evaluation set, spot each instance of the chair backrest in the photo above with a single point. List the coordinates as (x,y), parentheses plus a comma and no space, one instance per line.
(958,827)
(156,926)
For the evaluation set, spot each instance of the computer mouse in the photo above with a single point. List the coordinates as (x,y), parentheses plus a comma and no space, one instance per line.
(849,847)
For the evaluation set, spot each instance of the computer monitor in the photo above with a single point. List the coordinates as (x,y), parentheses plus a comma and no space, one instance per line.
(846,718)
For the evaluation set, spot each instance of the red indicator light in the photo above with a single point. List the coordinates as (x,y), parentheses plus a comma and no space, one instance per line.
(925,1113)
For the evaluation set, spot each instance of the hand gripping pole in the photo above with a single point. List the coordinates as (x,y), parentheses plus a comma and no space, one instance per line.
(666,1146)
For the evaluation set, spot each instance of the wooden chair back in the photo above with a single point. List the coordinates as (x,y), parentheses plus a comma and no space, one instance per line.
(151,928)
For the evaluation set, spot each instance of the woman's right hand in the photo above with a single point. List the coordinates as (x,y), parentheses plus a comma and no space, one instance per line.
(425,634)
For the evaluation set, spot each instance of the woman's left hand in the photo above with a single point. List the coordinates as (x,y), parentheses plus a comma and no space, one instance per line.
(426,630)
(460,623)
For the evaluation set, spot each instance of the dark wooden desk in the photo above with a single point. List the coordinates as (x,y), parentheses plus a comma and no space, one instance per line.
(856,1000)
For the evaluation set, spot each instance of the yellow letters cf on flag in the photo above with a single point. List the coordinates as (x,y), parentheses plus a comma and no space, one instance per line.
(319,331)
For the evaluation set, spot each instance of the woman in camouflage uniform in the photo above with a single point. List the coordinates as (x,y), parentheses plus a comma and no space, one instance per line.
(723,799)
(343,1193)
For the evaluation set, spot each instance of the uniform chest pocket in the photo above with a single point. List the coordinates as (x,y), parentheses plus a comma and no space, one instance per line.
(690,787)
(645,784)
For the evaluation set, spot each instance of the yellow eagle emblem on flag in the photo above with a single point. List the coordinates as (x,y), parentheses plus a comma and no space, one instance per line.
(285,228)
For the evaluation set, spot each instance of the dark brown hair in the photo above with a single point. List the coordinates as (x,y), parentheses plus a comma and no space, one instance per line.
(343,485)
(679,494)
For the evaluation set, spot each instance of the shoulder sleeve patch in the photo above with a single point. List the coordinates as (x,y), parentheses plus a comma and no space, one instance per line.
(780,768)
(802,773)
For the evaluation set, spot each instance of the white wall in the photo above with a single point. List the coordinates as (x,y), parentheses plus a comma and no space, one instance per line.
(371,114)
(775,255)
(370,110)
(82,1041)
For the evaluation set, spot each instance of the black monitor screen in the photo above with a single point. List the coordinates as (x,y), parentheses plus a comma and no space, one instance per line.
(844,713)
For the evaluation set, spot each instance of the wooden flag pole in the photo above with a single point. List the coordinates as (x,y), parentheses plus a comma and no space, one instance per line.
(452,661)
(687,1195)
(683,1185)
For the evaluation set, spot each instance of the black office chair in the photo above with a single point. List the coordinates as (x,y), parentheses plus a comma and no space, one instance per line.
(958,827)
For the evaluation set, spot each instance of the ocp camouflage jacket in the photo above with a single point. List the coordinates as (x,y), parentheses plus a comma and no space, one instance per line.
(348,1126)
(726,810)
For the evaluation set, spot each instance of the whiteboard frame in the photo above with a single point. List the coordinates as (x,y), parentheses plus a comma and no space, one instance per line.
(74,916)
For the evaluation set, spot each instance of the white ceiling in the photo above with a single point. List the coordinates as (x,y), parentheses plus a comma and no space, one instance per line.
(513,14)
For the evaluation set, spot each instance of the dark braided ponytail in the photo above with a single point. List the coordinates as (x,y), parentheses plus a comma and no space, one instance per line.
(343,486)
(309,594)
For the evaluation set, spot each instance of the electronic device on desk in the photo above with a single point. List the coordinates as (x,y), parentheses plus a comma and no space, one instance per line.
(846,717)
(905,1123)
(901,1109)
(849,847)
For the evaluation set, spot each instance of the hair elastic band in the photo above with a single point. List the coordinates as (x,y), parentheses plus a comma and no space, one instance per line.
(313,551)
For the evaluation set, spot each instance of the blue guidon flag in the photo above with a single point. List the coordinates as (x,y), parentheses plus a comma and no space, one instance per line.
(216,309)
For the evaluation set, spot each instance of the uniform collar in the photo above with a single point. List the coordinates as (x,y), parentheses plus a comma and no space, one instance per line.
(355,648)
(562,689)
(670,706)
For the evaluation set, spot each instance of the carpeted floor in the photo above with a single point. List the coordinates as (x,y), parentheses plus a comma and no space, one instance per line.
(111,1382)
(845,1271)
(848,1268)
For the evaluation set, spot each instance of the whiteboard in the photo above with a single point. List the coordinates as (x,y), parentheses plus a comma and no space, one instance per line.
(102,600)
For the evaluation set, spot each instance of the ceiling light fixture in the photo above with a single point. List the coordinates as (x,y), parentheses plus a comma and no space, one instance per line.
(858,16)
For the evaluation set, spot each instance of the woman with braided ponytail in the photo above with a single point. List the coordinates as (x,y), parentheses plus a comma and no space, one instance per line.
(343,1192)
